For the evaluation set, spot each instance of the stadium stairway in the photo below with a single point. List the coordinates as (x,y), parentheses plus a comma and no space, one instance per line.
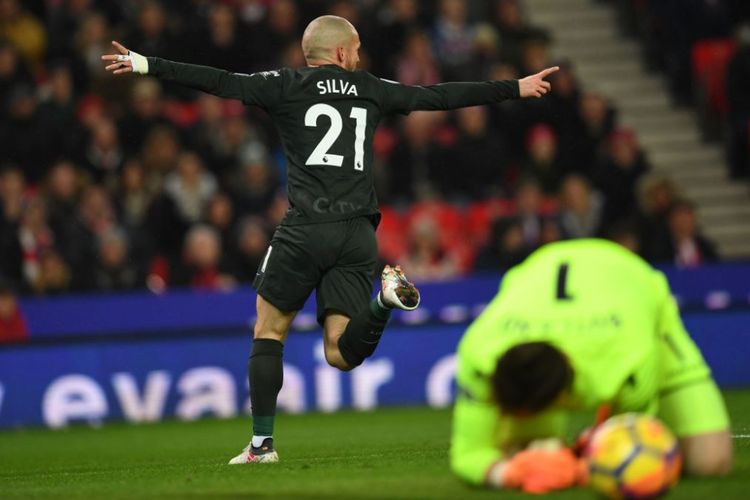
(585,32)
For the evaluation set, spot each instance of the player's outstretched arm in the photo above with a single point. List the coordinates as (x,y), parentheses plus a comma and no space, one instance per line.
(446,96)
(211,80)
(536,85)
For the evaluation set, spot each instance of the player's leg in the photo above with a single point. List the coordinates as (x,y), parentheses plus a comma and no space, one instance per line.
(284,281)
(352,326)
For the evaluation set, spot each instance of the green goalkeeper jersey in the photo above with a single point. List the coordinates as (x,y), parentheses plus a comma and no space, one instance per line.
(606,309)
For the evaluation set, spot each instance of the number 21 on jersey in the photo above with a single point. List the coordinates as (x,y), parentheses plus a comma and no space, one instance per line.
(320,155)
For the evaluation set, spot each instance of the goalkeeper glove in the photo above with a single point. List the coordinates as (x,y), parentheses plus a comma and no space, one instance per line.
(540,471)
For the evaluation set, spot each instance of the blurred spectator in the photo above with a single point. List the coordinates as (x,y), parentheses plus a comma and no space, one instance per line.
(617,174)
(54,275)
(282,26)
(625,232)
(256,184)
(581,208)
(396,19)
(656,195)
(506,247)
(687,246)
(412,165)
(507,18)
(26,136)
(482,151)
(34,240)
(453,37)
(58,106)
(133,195)
(738,94)
(277,210)
(13,72)
(143,114)
(190,187)
(222,46)
(160,152)
(529,213)
(96,216)
(205,132)
(252,245)
(427,259)
(542,163)
(416,65)
(23,30)
(220,215)
(103,153)
(12,186)
(235,138)
(62,191)
(13,326)
(114,269)
(151,35)
(91,41)
(201,266)
(597,121)
(551,230)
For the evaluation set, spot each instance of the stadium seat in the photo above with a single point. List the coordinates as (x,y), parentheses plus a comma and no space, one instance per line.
(710,58)
(391,234)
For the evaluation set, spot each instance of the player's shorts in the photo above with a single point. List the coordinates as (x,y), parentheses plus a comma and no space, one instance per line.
(336,259)
(689,401)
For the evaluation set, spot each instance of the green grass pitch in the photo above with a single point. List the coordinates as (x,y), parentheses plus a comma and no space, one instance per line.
(390,453)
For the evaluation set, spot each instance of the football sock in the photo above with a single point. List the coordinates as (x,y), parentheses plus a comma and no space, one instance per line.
(363,332)
(265,374)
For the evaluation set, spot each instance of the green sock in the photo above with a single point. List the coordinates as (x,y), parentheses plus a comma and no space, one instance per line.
(362,334)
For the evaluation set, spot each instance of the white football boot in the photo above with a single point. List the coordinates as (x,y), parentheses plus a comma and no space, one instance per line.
(264,454)
(396,290)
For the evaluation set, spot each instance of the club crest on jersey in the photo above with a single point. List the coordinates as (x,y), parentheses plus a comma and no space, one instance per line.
(336,87)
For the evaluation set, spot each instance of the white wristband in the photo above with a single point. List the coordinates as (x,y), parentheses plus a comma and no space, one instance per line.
(137,61)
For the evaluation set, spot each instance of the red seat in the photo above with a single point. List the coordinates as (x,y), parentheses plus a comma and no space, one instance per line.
(391,234)
(710,60)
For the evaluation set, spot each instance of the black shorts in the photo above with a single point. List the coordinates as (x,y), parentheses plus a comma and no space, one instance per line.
(337,259)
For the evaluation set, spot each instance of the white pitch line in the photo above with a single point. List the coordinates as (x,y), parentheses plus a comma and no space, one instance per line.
(741,436)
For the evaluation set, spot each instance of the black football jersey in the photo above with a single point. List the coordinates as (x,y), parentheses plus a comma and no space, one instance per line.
(326,117)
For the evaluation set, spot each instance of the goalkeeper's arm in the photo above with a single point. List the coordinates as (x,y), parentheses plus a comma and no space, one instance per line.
(477,457)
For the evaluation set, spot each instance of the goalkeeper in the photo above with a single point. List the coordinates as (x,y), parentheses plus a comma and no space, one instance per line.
(578,325)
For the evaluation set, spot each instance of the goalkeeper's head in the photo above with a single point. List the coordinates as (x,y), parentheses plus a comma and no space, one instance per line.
(530,377)
(331,40)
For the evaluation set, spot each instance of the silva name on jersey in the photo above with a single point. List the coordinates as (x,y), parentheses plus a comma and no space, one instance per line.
(336,87)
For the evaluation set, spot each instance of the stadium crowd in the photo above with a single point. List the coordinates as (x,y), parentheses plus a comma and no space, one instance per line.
(111,184)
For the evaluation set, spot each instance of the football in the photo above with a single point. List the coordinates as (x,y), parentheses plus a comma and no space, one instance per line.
(633,456)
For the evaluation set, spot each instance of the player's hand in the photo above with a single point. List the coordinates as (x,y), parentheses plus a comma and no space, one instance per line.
(125,61)
(535,85)
(541,471)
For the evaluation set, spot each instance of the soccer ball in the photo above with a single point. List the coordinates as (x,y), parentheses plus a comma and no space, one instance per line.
(633,456)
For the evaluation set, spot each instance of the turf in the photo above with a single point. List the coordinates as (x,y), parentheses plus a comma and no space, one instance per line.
(391,453)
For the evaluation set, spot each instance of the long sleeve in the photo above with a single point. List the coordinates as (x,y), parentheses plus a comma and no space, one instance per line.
(400,98)
(261,89)
(474,445)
